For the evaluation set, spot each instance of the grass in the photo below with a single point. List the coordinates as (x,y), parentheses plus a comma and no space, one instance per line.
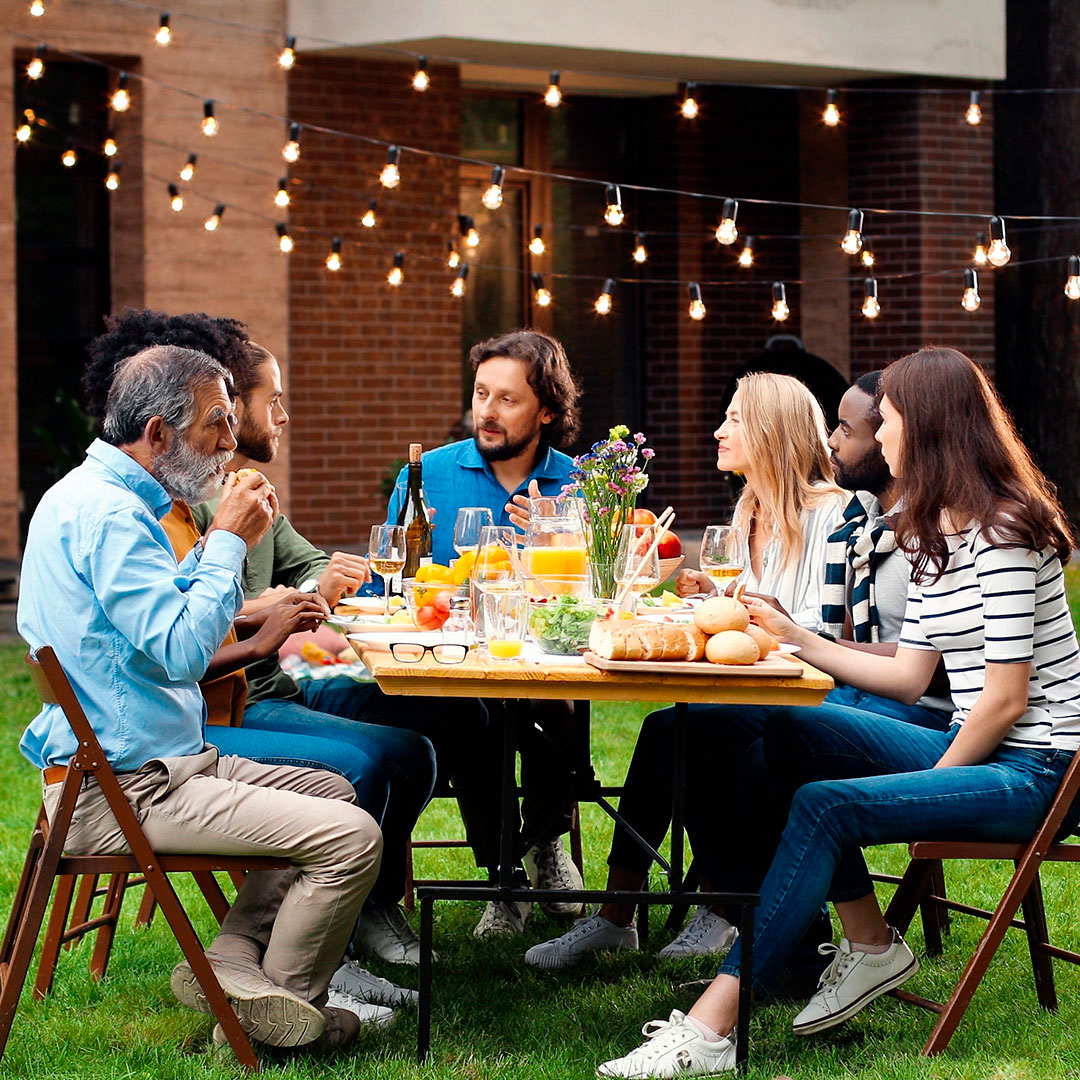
(495,1018)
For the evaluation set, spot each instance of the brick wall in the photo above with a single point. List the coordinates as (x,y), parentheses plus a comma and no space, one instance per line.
(372,368)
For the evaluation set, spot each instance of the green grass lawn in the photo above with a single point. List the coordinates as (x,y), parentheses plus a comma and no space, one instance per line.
(493,1017)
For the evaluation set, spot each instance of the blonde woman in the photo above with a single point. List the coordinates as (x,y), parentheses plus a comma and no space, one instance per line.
(774,434)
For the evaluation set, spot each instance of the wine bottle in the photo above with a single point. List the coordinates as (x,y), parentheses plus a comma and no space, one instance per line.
(414,516)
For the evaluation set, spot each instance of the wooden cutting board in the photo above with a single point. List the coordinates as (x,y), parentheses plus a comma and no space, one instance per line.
(775,666)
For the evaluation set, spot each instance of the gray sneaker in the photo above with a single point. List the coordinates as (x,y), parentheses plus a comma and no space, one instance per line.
(705,933)
(549,866)
(385,933)
(269,1013)
(501,919)
(587,935)
(352,979)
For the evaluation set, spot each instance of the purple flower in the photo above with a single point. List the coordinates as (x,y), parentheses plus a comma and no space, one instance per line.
(639,438)
(648,453)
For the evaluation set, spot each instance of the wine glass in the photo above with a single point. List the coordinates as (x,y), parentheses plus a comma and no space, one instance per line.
(721,554)
(637,563)
(386,553)
(470,520)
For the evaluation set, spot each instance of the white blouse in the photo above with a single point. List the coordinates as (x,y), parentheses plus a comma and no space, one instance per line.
(797,586)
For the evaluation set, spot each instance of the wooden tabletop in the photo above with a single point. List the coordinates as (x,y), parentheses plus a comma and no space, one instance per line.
(480,676)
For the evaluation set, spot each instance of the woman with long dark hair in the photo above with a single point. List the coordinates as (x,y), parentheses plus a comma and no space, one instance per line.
(987,539)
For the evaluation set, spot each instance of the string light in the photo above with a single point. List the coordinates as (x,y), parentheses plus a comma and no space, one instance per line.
(333,260)
(187,170)
(467,228)
(780,309)
(282,197)
(978,256)
(866,257)
(287,56)
(214,220)
(121,99)
(541,296)
(870,306)
(726,232)
(536,244)
(746,256)
(69,159)
(164,33)
(553,95)
(390,176)
(209,121)
(973,115)
(453,256)
(285,241)
(24,131)
(640,253)
(176,200)
(493,196)
(613,213)
(689,107)
(457,288)
(396,274)
(37,9)
(112,181)
(696,310)
(109,147)
(831,115)
(36,68)
(602,304)
(291,150)
(421,80)
(998,254)
(1072,282)
(370,219)
(971,298)
(852,241)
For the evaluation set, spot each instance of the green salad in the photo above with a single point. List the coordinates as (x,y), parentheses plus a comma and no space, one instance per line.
(560,625)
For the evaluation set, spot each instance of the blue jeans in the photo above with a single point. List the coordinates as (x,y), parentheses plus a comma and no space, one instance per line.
(884,790)
(392,771)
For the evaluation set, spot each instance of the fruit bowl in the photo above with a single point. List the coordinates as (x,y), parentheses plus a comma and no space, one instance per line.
(560,625)
(429,601)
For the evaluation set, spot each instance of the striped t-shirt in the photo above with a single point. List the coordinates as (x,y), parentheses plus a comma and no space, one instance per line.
(1005,606)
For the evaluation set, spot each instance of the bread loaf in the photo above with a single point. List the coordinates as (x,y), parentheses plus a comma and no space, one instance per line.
(640,639)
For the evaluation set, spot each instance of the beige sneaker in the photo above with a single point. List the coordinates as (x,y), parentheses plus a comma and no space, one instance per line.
(501,919)
(549,866)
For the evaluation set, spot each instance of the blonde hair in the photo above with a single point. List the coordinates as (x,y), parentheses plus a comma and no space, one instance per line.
(784,438)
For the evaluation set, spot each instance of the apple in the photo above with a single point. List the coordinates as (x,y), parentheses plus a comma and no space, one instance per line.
(670,546)
(641,516)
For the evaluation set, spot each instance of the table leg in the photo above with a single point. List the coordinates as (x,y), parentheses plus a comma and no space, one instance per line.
(746,961)
(678,780)
(508,855)
(423,1006)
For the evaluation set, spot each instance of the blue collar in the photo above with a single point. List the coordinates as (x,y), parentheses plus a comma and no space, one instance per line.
(132,475)
(469,457)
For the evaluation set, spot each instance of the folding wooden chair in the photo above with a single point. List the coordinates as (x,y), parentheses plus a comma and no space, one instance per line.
(46,863)
(922,887)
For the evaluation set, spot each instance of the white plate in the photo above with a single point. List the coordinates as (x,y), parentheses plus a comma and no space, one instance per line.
(382,642)
(369,605)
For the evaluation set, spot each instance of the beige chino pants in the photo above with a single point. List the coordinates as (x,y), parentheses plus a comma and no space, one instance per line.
(205,804)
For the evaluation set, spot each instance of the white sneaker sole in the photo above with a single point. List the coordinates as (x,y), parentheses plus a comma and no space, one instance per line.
(858,1004)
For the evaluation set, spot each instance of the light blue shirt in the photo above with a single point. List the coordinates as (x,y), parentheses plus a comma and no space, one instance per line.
(133,631)
(456,475)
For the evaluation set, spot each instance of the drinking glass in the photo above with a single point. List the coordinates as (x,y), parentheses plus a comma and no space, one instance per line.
(470,520)
(721,554)
(506,617)
(495,569)
(637,555)
(386,553)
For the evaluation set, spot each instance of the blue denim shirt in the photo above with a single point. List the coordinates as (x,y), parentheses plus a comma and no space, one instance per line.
(133,631)
(456,475)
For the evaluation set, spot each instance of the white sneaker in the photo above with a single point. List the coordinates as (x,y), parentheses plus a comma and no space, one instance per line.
(501,918)
(672,1047)
(352,979)
(549,866)
(588,934)
(851,981)
(384,932)
(368,1014)
(705,933)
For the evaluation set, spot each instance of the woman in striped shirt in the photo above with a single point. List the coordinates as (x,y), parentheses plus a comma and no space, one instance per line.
(987,540)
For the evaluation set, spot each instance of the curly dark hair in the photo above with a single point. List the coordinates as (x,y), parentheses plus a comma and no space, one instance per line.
(226,340)
(549,375)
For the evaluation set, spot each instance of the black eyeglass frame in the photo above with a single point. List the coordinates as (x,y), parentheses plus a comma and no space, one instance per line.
(442,646)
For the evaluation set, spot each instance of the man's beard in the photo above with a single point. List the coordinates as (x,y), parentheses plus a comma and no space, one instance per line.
(869,473)
(510,448)
(256,444)
(186,474)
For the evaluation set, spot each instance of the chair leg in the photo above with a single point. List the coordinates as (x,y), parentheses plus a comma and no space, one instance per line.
(114,899)
(909,893)
(147,907)
(935,918)
(409,899)
(83,904)
(54,934)
(1037,936)
(212,892)
(677,914)
(575,840)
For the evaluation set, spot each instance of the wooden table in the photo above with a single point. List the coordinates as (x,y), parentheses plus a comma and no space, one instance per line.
(479,676)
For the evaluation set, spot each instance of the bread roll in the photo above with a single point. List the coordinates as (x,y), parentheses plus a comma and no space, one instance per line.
(248,472)
(765,641)
(720,613)
(732,647)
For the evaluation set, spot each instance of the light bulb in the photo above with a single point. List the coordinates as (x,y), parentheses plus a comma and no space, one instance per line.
(973,115)
(37,9)
(726,232)
(602,304)
(369,220)
(23,133)
(112,181)
(978,256)
(291,150)
(746,256)
(214,220)
(209,122)
(458,286)
(640,254)
(493,196)
(420,80)
(696,310)
(831,115)
(553,95)
(998,253)
(390,177)
(472,237)
(121,99)
(541,295)
(396,274)
(287,56)
(467,228)
(69,158)
(176,200)
(870,306)
(333,260)
(285,241)
(164,34)
(689,107)
(282,197)
(852,241)
(187,170)
(536,244)
(109,147)
(971,298)
(780,309)
(1072,283)
(36,68)
(453,256)
(867,256)
(613,212)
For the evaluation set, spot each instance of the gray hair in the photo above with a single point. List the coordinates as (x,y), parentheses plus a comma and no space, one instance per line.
(158,381)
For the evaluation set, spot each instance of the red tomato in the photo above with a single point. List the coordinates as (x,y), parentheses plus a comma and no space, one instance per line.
(427,618)
(442,603)
(670,546)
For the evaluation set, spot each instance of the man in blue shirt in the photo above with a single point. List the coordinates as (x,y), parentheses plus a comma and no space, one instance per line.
(135,632)
(524,404)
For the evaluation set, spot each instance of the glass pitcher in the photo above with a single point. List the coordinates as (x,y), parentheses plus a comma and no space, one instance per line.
(555,544)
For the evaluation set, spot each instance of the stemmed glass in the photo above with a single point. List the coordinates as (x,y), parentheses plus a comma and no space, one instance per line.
(721,554)
(386,553)
(637,554)
(470,520)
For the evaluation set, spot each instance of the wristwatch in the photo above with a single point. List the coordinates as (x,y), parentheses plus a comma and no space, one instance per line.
(311,585)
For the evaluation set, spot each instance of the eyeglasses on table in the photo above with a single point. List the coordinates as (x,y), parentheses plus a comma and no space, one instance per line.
(407,652)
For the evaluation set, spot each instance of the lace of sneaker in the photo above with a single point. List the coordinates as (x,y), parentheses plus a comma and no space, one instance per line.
(553,867)
(664,1035)
(500,917)
(398,926)
(842,960)
(353,979)
(699,927)
(582,927)
(364,1011)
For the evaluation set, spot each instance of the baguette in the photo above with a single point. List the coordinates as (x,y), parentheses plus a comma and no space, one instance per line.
(639,639)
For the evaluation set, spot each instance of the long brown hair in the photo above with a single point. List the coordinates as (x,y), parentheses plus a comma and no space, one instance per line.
(960,453)
(783,435)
